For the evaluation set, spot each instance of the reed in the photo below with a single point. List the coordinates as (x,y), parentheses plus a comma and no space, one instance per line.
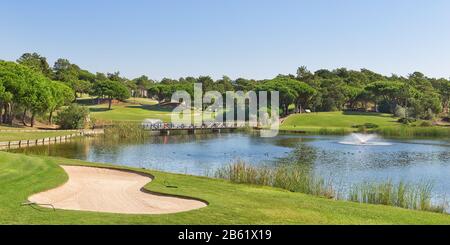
(126,130)
(404,195)
(334,131)
(409,131)
(300,179)
(292,178)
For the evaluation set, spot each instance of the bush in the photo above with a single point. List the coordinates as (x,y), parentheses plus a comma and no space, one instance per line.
(400,112)
(429,115)
(406,120)
(365,126)
(72,117)
(426,124)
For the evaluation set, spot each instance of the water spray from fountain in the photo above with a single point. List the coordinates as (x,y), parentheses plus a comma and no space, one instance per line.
(364,140)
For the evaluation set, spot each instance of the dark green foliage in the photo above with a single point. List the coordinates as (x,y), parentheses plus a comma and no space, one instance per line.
(72,117)
(366,126)
(26,91)
(426,124)
(111,89)
(405,120)
(324,90)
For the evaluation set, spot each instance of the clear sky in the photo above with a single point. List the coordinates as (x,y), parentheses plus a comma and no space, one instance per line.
(239,38)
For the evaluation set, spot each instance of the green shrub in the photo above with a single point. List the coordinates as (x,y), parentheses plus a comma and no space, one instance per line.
(426,124)
(429,114)
(406,120)
(400,112)
(366,126)
(72,117)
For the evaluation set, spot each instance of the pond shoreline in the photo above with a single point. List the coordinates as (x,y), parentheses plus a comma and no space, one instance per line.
(13,144)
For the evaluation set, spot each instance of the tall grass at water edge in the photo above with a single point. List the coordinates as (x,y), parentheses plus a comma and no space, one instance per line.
(404,195)
(301,179)
(408,131)
(123,130)
(295,179)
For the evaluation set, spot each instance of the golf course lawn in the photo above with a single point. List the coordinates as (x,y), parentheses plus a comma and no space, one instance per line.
(8,127)
(132,112)
(21,176)
(14,136)
(336,120)
(128,112)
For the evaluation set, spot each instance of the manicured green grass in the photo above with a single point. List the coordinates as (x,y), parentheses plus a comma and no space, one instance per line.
(143,101)
(21,176)
(314,122)
(14,136)
(129,112)
(7,127)
(137,112)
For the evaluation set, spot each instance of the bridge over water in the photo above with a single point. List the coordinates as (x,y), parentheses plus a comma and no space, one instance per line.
(216,127)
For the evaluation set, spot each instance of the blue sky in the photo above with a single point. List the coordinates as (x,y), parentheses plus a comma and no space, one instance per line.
(239,38)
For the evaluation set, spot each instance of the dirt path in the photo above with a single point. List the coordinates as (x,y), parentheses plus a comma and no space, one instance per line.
(112,191)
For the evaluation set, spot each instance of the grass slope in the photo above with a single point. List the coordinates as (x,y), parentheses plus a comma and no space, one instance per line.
(128,112)
(14,136)
(335,120)
(21,176)
(136,110)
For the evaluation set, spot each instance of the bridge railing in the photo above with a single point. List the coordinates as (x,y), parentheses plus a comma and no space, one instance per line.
(209,125)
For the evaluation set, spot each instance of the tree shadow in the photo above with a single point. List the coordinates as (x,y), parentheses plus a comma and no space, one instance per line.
(98,109)
(360,113)
(151,107)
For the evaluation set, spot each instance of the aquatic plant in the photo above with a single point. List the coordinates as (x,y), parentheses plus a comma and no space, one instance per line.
(405,195)
(300,178)
(292,178)
(126,130)
(409,131)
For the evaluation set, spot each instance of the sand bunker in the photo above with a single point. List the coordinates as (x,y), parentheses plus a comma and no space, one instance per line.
(112,191)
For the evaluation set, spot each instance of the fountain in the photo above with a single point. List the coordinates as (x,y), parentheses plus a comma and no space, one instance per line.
(363,140)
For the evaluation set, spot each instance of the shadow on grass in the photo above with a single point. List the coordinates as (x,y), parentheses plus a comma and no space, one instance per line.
(151,108)
(98,109)
(86,101)
(359,113)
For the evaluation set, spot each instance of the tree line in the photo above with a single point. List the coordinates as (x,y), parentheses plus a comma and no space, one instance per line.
(325,90)
(30,87)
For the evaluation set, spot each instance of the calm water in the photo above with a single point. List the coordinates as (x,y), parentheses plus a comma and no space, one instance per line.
(409,160)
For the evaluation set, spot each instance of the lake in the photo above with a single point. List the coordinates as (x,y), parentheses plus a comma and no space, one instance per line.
(412,160)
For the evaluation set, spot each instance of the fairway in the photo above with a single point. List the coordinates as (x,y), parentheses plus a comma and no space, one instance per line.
(132,112)
(129,112)
(21,176)
(336,120)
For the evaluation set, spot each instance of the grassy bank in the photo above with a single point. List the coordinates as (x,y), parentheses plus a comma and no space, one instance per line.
(408,131)
(340,123)
(300,178)
(132,112)
(129,112)
(14,136)
(335,122)
(21,176)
